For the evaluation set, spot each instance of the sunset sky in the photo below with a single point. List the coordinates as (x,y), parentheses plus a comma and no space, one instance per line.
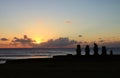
(27,23)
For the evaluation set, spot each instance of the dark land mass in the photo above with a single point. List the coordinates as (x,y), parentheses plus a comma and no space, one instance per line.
(67,66)
(63,67)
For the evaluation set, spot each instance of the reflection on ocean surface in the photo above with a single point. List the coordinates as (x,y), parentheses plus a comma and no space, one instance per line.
(44,52)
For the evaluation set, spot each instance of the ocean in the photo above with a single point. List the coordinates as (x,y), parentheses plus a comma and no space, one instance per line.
(26,53)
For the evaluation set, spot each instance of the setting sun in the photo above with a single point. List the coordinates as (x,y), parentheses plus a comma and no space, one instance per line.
(38,40)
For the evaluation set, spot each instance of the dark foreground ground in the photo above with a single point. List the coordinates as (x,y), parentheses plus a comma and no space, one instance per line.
(63,67)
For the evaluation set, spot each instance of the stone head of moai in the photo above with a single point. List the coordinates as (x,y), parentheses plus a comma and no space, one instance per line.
(95,49)
(87,50)
(78,50)
(104,50)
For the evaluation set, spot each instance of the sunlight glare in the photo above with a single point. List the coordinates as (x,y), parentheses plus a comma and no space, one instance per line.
(38,40)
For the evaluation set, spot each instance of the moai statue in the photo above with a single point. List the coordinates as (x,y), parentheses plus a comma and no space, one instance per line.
(78,50)
(111,52)
(104,50)
(87,50)
(95,49)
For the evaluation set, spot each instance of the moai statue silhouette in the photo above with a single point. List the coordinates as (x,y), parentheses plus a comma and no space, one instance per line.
(111,52)
(95,49)
(104,50)
(78,50)
(87,50)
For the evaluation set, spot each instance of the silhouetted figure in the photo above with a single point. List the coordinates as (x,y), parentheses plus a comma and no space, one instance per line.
(78,50)
(95,49)
(87,50)
(111,52)
(104,50)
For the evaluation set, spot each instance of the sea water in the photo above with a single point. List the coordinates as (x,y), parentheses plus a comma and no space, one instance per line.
(26,53)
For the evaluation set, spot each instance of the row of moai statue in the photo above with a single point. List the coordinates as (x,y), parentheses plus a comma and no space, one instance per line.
(95,49)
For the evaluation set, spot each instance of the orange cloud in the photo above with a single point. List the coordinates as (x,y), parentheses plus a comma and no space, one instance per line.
(4,39)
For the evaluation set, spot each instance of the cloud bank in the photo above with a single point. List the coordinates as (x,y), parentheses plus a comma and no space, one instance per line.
(25,41)
(61,42)
(58,43)
(113,44)
(4,39)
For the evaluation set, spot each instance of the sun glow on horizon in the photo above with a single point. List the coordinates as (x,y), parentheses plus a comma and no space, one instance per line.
(38,40)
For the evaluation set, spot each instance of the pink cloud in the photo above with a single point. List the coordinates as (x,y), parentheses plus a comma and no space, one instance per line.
(68,21)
